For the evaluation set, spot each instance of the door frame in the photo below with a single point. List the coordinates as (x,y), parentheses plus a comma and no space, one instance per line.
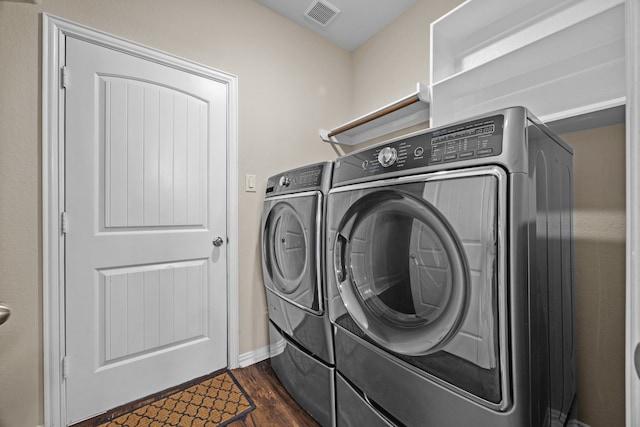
(632,122)
(53,115)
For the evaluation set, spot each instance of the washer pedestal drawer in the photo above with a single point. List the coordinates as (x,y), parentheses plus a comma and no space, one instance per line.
(352,409)
(309,331)
(309,381)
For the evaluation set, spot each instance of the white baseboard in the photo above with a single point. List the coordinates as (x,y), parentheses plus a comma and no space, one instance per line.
(252,357)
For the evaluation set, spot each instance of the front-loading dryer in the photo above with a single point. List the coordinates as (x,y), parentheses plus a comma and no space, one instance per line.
(302,354)
(450,276)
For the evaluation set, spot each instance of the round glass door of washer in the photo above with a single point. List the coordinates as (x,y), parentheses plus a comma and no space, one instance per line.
(285,248)
(402,272)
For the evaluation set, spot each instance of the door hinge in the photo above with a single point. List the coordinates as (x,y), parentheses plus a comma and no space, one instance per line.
(64,222)
(65,368)
(64,77)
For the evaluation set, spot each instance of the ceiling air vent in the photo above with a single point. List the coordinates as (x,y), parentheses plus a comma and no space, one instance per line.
(321,12)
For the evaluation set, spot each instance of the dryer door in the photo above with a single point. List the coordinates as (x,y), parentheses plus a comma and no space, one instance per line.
(291,248)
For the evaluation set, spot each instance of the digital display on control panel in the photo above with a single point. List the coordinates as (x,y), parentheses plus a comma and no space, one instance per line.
(465,141)
(472,140)
(309,177)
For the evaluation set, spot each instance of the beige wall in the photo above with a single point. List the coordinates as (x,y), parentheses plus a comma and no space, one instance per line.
(391,63)
(599,198)
(286,92)
(387,68)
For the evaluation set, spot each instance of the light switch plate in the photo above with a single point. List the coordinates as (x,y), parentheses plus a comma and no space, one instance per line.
(250,183)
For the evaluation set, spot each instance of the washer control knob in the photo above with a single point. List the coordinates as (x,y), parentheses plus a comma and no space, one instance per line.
(387,156)
(285,181)
(5,312)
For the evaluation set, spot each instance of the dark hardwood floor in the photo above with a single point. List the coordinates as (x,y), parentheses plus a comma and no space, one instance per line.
(274,406)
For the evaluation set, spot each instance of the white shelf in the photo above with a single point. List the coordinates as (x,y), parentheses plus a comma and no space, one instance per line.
(557,58)
(401,114)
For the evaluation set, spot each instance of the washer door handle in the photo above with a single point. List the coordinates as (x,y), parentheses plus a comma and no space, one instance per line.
(340,261)
(636,360)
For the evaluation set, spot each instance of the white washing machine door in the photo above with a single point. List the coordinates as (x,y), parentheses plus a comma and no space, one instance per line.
(291,248)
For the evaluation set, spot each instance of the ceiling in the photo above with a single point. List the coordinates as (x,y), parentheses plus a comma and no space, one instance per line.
(354,23)
(347,23)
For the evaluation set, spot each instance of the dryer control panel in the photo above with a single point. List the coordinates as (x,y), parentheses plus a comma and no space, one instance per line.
(460,142)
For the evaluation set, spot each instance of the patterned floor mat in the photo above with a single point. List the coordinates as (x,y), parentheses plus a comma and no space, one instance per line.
(214,402)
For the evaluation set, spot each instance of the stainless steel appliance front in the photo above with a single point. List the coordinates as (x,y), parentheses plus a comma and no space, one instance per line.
(292,248)
(302,353)
(450,277)
(419,264)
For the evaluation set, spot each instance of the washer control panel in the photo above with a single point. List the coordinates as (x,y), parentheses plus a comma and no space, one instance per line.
(284,181)
(456,143)
(297,180)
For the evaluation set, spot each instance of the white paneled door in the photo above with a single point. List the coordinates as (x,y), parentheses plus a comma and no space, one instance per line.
(145,197)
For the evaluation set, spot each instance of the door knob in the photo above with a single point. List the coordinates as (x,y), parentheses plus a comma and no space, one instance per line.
(5,312)
(218,241)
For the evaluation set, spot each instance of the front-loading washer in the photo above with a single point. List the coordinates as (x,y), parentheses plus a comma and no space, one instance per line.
(451,279)
(300,332)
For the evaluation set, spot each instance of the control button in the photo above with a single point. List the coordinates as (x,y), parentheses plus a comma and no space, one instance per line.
(485,151)
(419,151)
(466,154)
(387,156)
(451,156)
(365,164)
(435,159)
(285,181)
